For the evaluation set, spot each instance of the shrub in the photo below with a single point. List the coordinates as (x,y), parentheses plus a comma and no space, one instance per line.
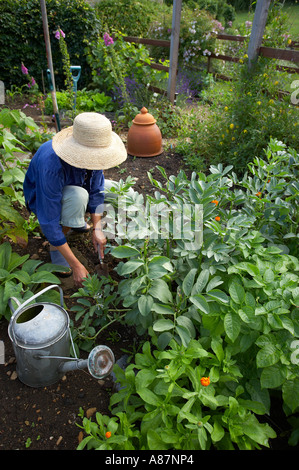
(127,16)
(26,43)
(120,68)
(242,120)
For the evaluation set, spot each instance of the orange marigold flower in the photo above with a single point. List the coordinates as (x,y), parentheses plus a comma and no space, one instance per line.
(258,194)
(205,381)
(217,218)
(108,434)
(215,202)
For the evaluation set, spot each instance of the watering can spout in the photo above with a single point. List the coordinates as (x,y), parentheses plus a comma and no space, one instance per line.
(100,363)
(73,365)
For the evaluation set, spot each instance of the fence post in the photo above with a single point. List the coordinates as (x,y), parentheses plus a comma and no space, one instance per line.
(174,48)
(257,31)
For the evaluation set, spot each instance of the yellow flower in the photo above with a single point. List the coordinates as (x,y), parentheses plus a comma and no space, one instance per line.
(290,41)
(249,93)
(271,101)
(241,61)
(276,83)
(226,108)
(223,136)
(259,103)
(245,131)
(233,139)
(245,56)
(265,75)
(221,143)
(231,126)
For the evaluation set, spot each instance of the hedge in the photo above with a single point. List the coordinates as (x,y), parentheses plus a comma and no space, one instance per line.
(22,38)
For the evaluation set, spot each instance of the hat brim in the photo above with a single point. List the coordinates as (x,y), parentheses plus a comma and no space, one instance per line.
(89,158)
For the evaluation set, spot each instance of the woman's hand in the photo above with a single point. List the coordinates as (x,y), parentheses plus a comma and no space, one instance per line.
(99,242)
(79,273)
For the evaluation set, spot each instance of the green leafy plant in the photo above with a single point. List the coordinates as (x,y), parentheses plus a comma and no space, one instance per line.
(92,316)
(86,101)
(242,120)
(20,277)
(18,134)
(226,310)
(167,402)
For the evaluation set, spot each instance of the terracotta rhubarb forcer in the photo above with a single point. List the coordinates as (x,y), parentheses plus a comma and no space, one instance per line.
(144,136)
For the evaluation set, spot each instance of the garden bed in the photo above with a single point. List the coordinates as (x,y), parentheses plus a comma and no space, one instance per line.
(44,418)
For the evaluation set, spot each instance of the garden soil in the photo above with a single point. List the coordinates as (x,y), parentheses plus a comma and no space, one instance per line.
(47,418)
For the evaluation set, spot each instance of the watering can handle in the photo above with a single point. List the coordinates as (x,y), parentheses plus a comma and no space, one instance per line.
(34,297)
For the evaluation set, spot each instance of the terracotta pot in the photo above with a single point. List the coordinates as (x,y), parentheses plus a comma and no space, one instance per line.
(144,136)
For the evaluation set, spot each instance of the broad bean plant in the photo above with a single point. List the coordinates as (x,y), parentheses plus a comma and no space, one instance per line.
(220,309)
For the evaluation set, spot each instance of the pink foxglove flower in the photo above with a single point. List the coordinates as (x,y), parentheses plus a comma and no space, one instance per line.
(59,33)
(24,69)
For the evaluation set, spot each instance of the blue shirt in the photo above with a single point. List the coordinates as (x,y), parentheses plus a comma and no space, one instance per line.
(45,179)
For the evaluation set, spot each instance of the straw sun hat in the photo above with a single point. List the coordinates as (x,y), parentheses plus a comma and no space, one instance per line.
(90,143)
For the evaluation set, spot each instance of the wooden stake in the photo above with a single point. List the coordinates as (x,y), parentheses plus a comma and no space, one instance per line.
(257,31)
(174,49)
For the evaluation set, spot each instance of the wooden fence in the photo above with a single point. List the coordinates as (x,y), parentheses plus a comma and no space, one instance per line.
(290,55)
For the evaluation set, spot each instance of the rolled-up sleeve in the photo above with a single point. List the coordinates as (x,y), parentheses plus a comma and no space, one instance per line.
(96,192)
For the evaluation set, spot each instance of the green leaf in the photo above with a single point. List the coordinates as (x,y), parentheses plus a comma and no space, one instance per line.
(200,302)
(218,432)
(160,290)
(237,293)
(158,267)
(163,325)
(259,433)
(273,376)
(163,309)
(145,303)
(267,356)
(290,393)
(149,397)
(189,281)
(155,442)
(44,276)
(5,254)
(268,276)
(184,321)
(144,378)
(124,252)
(130,267)
(183,334)
(15,261)
(232,325)
(217,294)
(201,282)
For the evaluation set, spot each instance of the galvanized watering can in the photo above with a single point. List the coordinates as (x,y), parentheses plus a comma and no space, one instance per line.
(41,340)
